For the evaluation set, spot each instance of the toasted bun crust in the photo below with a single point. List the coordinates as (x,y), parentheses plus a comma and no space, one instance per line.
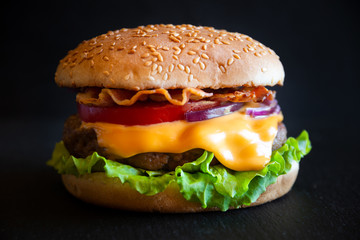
(98,189)
(168,56)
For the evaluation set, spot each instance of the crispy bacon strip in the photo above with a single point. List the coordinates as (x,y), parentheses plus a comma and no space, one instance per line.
(110,97)
(246,94)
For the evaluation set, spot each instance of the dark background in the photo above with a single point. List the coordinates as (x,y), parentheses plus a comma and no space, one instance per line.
(318,42)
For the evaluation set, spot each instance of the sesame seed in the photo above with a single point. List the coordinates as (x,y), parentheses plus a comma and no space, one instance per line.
(154,59)
(132,51)
(191,77)
(148,63)
(181,67)
(204,56)
(257,54)
(225,42)
(154,66)
(217,41)
(165,77)
(202,65)
(236,56)
(171,68)
(160,58)
(182,46)
(196,60)
(160,69)
(145,55)
(105,58)
(230,61)
(155,53)
(106,73)
(177,52)
(246,50)
(222,68)
(204,47)
(187,69)
(150,46)
(175,57)
(191,52)
(174,39)
(143,43)
(165,48)
(102,37)
(236,51)
(264,69)
(152,50)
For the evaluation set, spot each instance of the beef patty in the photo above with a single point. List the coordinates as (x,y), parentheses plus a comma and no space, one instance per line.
(82,142)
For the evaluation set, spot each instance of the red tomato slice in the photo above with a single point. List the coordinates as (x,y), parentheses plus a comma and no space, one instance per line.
(141,113)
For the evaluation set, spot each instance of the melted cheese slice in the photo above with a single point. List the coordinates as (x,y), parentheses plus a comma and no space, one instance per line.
(238,141)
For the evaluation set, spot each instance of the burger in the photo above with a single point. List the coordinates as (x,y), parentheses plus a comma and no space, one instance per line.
(175,118)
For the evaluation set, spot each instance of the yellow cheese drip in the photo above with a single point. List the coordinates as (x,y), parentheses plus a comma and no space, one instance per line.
(238,141)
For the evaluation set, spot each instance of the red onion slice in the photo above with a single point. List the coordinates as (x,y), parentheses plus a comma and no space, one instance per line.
(264,110)
(218,111)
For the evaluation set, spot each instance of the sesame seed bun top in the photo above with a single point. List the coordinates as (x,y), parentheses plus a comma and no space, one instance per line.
(168,56)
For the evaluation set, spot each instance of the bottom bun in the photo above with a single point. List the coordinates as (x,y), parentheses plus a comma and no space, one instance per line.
(97,188)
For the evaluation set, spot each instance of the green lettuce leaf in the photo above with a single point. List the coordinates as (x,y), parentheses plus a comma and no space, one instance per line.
(212,186)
